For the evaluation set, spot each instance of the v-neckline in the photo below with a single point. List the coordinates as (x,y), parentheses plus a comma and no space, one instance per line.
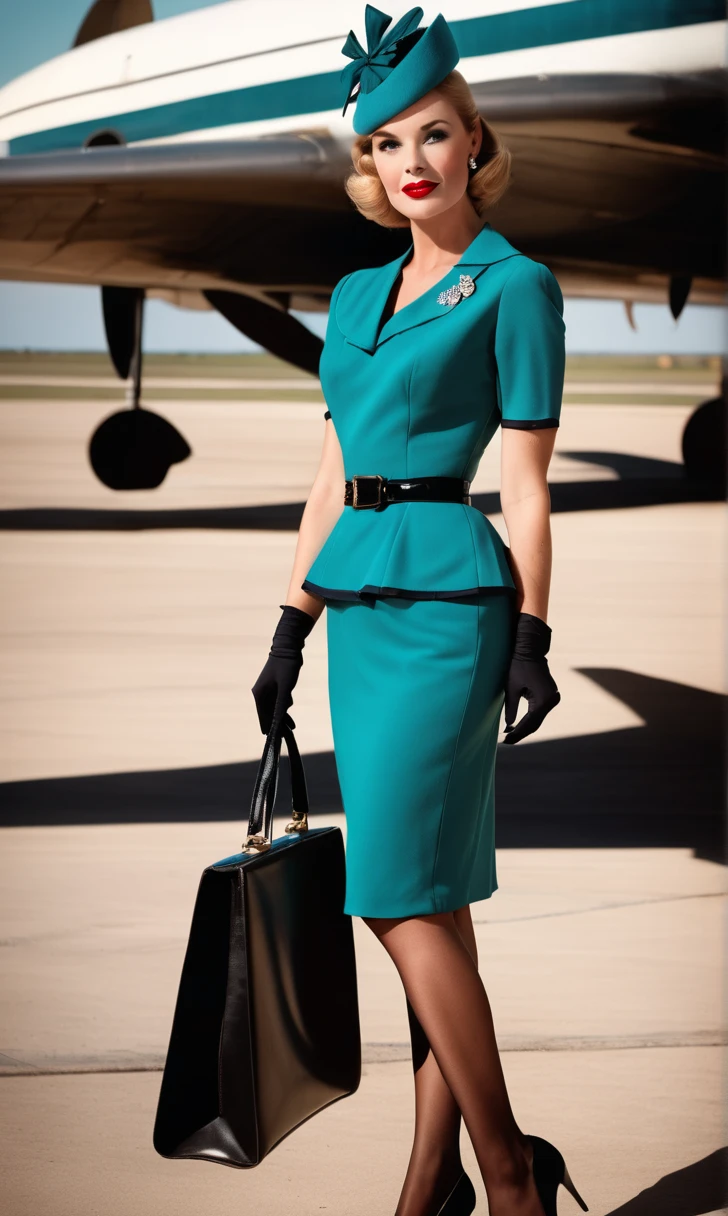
(409,303)
(360,307)
(399,266)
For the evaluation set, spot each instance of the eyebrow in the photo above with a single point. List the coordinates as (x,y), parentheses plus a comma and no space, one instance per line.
(436,122)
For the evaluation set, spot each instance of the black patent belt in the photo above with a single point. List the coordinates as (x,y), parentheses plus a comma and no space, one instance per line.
(370,490)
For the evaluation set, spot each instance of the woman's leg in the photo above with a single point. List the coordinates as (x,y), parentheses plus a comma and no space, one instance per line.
(446,993)
(434,1164)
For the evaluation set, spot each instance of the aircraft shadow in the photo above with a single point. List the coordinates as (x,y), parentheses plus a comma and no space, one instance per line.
(657,784)
(641,482)
(692,1191)
(654,785)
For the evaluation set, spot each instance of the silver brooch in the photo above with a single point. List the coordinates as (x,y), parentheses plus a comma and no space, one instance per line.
(465,287)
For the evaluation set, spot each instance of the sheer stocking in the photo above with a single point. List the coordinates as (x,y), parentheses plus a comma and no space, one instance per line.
(435,1164)
(455,1050)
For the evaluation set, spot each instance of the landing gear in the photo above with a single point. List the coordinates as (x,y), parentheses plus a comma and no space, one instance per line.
(135,448)
(705,443)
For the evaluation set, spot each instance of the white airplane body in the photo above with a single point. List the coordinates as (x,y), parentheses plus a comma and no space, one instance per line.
(142,80)
(202,158)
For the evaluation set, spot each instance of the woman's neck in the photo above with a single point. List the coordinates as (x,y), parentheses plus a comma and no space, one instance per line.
(443,239)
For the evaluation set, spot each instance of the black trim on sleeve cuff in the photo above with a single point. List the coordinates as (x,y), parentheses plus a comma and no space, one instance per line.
(327,414)
(529,424)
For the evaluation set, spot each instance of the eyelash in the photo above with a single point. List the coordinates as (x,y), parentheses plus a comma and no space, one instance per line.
(382,147)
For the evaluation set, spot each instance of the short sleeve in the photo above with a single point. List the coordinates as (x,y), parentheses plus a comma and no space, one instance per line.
(530,348)
(332,302)
(330,320)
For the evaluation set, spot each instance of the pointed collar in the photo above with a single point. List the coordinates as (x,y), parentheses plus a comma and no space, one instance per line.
(364,296)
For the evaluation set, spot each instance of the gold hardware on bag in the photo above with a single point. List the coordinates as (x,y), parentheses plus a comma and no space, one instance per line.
(256,844)
(299,822)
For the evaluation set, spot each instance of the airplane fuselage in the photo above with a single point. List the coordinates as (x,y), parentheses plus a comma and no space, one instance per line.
(254,67)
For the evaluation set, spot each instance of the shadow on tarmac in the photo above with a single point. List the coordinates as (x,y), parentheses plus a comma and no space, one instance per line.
(696,1189)
(641,482)
(659,784)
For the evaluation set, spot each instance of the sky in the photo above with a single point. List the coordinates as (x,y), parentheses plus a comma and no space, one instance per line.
(37,30)
(36,317)
(39,317)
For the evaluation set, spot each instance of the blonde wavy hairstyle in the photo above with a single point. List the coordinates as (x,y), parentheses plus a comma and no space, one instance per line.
(487,184)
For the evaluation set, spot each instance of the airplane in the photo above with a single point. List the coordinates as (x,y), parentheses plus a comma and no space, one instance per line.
(201,159)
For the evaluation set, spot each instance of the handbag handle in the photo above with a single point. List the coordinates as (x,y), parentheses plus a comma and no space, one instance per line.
(266,786)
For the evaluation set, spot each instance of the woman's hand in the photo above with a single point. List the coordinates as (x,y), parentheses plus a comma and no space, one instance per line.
(273,690)
(529,677)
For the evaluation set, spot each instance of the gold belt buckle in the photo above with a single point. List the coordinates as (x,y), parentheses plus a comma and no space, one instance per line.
(362,506)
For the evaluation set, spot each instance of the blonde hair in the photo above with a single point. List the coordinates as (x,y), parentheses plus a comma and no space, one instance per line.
(487,184)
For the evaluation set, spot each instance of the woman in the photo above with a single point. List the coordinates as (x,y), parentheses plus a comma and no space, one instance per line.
(432,623)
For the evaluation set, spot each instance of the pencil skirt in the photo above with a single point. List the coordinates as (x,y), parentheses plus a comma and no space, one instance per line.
(416,689)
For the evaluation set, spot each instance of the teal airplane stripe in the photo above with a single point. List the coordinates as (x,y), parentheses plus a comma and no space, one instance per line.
(512,31)
(576,21)
(277,99)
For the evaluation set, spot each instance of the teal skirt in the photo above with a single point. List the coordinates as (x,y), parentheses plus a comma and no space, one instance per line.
(416,689)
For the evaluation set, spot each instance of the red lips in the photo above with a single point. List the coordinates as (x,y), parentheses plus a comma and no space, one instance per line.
(419,189)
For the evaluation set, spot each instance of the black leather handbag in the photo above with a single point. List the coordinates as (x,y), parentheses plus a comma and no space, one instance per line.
(266,1028)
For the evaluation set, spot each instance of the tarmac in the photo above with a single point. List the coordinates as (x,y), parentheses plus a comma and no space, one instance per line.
(131,630)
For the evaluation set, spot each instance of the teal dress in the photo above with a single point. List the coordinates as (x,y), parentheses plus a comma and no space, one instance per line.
(419,596)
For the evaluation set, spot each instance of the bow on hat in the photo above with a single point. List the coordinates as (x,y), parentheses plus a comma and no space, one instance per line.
(372,66)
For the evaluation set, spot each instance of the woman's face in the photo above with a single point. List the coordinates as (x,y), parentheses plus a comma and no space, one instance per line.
(427,144)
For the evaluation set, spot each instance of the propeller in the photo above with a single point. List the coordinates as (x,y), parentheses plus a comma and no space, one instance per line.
(273,329)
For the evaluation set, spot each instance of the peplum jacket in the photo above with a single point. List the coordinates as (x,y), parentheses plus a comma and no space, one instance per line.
(422,395)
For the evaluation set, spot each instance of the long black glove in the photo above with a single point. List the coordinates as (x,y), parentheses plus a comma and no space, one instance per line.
(529,677)
(274,687)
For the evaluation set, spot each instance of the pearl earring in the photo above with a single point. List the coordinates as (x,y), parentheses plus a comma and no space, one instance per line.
(472,162)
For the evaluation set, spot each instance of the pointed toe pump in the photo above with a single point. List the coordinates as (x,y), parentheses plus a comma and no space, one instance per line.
(549,1173)
(461,1200)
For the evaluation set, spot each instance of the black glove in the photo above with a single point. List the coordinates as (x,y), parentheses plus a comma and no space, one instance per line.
(529,677)
(274,687)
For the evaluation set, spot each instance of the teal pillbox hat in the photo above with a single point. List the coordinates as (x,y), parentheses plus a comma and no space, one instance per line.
(397,68)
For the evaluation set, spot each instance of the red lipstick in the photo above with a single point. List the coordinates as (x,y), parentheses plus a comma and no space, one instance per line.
(419,189)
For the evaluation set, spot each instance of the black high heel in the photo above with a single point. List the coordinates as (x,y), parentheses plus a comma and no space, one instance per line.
(549,1173)
(461,1200)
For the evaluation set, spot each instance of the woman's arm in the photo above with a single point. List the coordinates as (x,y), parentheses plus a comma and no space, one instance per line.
(530,359)
(324,505)
(526,506)
(273,690)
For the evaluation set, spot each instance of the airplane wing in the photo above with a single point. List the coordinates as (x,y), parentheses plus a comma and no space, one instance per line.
(269,213)
(619,179)
(619,184)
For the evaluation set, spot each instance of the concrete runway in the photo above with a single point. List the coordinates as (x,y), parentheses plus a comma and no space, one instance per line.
(132,628)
